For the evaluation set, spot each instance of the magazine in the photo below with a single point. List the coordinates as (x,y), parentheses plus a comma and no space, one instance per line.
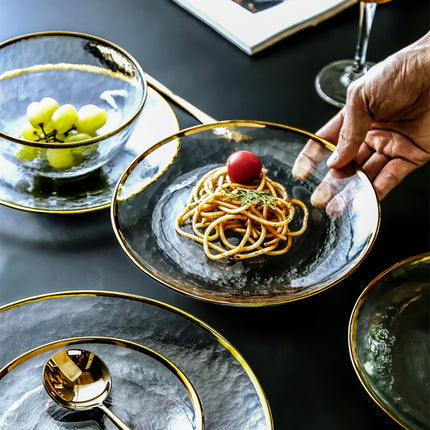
(255,25)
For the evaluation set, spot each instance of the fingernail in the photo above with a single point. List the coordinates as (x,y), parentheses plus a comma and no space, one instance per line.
(321,196)
(333,157)
(335,209)
(301,170)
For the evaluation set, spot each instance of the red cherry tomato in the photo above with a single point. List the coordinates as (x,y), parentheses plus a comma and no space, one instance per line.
(243,167)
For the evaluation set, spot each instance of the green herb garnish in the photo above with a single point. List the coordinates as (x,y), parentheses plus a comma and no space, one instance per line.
(254,197)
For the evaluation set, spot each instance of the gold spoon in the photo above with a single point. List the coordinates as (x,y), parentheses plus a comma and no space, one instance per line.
(79,379)
(199,115)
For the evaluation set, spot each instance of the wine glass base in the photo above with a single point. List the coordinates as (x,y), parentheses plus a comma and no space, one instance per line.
(332,81)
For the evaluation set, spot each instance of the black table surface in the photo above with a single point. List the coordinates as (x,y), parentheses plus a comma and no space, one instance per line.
(298,351)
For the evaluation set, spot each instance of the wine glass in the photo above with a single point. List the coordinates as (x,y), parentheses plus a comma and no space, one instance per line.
(332,81)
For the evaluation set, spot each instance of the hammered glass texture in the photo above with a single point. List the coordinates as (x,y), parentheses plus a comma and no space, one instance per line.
(75,69)
(155,188)
(229,393)
(391,342)
(145,393)
(20,188)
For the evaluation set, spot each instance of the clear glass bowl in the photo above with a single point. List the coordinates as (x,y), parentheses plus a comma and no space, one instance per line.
(75,69)
(389,341)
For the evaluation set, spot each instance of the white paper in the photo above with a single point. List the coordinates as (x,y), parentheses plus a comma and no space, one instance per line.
(254,31)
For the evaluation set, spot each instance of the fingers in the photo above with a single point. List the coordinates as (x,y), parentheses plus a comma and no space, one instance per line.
(374,164)
(391,175)
(308,159)
(314,152)
(331,130)
(336,191)
(355,125)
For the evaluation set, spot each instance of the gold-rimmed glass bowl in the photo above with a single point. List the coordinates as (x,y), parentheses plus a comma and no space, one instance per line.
(389,341)
(75,69)
(154,189)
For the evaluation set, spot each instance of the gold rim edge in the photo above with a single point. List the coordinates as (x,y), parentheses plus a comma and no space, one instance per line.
(217,299)
(219,337)
(83,209)
(98,39)
(352,327)
(118,342)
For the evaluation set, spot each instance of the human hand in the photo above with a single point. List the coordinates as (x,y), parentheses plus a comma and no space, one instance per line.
(384,126)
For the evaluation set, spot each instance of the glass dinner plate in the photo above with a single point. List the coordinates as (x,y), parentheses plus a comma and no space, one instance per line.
(21,190)
(148,391)
(154,188)
(389,341)
(229,393)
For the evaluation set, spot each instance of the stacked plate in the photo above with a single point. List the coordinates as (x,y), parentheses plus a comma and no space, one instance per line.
(169,370)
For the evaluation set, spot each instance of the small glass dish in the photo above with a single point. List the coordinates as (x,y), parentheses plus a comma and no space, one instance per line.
(148,390)
(389,341)
(76,69)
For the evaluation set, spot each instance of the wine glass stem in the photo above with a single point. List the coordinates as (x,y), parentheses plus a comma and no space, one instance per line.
(367,12)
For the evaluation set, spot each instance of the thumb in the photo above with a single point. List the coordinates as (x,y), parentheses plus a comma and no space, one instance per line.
(356,123)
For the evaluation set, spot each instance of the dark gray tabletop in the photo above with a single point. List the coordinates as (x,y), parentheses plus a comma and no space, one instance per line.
(298,351)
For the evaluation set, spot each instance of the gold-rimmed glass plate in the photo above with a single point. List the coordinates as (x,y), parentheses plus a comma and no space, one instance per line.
(389,341)
(229,392)
(148,391)
(154,189)
(22,190)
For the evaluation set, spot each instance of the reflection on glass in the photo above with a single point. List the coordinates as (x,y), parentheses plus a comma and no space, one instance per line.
(332,81)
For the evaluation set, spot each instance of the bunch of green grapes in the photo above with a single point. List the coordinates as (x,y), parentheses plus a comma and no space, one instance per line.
(49,122)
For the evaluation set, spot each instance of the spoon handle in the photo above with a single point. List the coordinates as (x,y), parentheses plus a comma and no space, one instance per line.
(184,104)
(117,421)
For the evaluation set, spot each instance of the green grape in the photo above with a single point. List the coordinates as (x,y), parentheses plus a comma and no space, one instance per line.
(90,119)
(77,157)
(47,128)
(76,137)
(31,133)
(39,113)
(80,151)
(60,137)
(49,105)
(27,153)
(60,158)
(64,118)
(36,114)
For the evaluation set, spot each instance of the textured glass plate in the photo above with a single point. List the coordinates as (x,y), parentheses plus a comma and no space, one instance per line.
(389,341)
(148,392)
(230,395)
(154,189)
(19,189)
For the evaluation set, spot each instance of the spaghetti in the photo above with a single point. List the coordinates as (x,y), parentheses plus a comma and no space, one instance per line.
(240,221)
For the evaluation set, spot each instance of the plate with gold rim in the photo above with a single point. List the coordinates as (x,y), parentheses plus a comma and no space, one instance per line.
(154,189)
(21,190)
(148,391)
(389,341)
(210,363)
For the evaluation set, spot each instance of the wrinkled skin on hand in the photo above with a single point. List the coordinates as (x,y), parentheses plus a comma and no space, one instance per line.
(384,126)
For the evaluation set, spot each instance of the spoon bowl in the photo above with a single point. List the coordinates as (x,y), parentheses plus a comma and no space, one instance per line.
(79,379)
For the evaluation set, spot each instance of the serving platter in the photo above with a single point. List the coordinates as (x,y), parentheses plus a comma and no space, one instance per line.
(228,390)
(148,391)
(22,190)
(389,341)
(154,189)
